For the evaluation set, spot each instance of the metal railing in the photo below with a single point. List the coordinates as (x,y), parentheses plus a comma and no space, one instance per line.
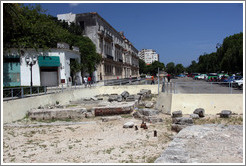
(22,92)
(201,87)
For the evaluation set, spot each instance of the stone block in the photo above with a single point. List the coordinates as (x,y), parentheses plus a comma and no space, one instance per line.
(225,113)
(200,112)
(148,112)
(125,94)
(113,98)
(183,120)
(194,116)
(128,125)
(149,105)
(177,114)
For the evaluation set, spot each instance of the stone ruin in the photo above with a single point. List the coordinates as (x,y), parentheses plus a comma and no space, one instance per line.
(101,105)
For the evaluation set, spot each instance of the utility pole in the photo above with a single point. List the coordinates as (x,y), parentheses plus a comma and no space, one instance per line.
(158,81)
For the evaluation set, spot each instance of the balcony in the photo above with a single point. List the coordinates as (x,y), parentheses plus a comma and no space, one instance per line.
(109,57)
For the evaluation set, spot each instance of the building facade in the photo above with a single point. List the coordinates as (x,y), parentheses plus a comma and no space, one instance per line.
(52,68)
(119,56)
(148,56)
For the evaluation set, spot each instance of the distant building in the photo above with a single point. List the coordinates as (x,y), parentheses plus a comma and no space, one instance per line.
(148,55)
(120,57)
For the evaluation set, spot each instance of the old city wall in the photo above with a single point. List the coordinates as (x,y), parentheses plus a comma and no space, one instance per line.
(16,109)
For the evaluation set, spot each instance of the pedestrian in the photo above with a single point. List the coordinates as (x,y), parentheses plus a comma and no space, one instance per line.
(89,81)
(85,81)
(168,77)
(130,79)
(152,80)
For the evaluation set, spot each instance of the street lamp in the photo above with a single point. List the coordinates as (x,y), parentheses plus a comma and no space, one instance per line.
(31,61)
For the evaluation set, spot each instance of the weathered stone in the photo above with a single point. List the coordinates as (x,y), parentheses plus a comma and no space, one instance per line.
(94,98)
(113,98)
(137,97)
(130,98)
(177,127)
(128,125)
(177,114)
(145,91)
(194,116)
(200,112)
(136,114)
(119,98)
(183,120)
(87,99)
(225,113)
(48,114)
(125,94)
(110,118)
(204,144)
(89,115)
(152,119)
(148,112)
(149,105)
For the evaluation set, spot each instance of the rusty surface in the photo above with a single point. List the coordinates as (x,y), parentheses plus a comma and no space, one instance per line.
(111,111)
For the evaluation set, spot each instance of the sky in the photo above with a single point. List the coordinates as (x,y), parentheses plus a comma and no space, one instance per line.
(179,32)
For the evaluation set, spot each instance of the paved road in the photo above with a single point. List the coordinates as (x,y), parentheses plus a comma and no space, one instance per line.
(188,85)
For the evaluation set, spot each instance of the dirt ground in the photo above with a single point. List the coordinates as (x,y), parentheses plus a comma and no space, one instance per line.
(95,142)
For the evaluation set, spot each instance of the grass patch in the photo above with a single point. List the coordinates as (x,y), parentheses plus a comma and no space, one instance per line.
(233,120)
(72,105)
(126,116)
(70,128)
(151,159)
(108,151)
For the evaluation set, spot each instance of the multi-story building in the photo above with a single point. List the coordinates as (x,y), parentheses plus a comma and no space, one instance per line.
(148,55)
(119,56)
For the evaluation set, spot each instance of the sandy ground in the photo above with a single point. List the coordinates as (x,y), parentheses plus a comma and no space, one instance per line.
(95,142)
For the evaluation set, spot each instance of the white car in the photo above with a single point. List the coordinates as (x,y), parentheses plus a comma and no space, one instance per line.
(239,83)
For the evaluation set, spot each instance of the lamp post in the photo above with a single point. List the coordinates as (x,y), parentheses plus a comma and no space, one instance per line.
(31,61)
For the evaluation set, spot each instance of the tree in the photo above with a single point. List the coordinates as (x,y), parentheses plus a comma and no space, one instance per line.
(36,30)
(142,67)
(179,68)
(170,68)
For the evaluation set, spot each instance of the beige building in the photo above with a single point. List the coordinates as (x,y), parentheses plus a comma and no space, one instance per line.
(120,57)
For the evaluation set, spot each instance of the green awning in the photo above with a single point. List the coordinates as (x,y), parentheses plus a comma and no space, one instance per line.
(49,61)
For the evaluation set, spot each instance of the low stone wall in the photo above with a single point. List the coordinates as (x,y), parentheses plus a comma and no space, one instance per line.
(17,109)
(211,103)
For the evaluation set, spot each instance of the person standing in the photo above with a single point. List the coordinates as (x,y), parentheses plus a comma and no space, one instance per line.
(89,81)
(168,77)
(85,81)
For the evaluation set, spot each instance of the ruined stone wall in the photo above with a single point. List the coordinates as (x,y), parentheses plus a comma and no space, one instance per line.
(16,109)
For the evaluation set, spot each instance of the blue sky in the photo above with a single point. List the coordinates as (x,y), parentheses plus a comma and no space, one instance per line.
(179,32)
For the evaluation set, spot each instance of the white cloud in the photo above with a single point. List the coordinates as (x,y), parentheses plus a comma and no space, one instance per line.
(73,4)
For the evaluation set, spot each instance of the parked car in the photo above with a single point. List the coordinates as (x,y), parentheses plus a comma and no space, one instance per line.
(239,83)
(200,77)
(194,74)
(212,77)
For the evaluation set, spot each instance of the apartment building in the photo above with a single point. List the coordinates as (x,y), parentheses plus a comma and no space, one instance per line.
(119,56)
(148,55)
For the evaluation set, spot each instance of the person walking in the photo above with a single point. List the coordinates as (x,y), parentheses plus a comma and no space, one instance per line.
(130,79)
(89,81)
(152,80)
(85,81)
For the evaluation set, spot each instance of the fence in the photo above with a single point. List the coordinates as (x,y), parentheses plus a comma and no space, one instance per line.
(201,87)
(21,92)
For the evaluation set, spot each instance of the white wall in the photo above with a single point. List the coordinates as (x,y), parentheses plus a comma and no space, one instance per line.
(68,17)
